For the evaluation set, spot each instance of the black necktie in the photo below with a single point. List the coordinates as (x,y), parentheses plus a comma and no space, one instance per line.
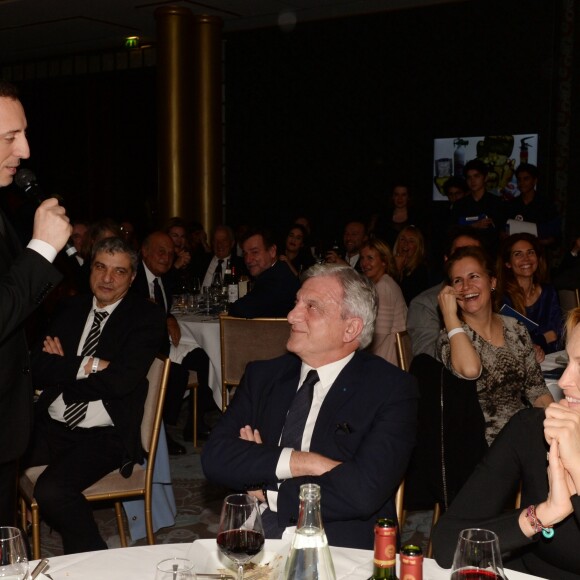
(158,293)
(217,275)
(298,413)
(76,412)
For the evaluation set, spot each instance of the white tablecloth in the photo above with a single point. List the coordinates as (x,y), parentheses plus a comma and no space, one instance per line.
(201,331)
(139,563)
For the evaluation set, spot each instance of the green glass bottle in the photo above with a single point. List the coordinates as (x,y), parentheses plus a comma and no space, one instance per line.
(385,559)
(411,562)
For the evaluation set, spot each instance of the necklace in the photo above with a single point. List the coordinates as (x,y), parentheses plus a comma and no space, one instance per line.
(529,295)
(493,332)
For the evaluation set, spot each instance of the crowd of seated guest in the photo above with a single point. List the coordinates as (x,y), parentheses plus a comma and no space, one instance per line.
(454,323)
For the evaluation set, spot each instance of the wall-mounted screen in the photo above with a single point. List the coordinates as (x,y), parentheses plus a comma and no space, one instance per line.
(501,153)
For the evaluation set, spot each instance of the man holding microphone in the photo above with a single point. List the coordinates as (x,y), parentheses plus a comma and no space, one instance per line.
(27,276)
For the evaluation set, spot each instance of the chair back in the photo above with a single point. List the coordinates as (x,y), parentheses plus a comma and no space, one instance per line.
(399,504)
(404,350)
(243,340)
(569,299)
(157,376)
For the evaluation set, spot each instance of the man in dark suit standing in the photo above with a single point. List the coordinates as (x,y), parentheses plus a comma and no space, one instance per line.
(92,369)
(329,413)
(26,277)
(275,285)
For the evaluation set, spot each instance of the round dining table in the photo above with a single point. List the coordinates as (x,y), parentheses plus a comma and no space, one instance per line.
(201,330)
(139,563)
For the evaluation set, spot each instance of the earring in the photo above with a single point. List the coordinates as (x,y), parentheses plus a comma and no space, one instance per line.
(493,289)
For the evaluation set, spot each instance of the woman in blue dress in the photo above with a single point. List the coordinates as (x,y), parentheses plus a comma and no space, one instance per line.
(522,276)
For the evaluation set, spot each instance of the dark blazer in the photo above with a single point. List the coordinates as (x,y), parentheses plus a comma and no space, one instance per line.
(25,280)
(367,421)
(274,294)
(130,340)
(141,287)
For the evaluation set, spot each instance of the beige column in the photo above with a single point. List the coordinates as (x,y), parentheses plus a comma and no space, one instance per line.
(189,115)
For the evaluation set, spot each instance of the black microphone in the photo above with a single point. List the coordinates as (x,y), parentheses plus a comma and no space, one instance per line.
(26,180)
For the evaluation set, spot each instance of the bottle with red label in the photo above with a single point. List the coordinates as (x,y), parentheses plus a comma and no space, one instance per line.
(411,559)
(385,558)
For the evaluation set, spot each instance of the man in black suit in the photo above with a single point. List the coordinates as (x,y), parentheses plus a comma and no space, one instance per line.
(275,285)
(155,269)
(353,238)
(223,243)
(350,426)
(94,386)
(26,277)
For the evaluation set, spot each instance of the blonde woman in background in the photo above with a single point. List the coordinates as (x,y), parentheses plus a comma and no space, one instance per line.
(378,265)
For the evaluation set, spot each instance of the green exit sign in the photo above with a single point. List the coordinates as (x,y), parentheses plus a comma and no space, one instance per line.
(132,42)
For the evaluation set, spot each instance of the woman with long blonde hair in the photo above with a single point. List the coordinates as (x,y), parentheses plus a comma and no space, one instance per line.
(378,265)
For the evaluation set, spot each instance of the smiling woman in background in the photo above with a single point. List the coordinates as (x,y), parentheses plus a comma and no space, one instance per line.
(522,275)
(480,345)
(296,254)
(377,264)
(543,537)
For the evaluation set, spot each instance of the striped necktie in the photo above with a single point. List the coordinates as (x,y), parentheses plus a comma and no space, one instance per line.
(76,412)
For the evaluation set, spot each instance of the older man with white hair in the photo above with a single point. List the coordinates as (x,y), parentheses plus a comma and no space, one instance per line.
(327,413)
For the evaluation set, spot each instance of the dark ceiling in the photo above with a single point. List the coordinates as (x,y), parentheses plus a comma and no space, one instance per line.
(37,29)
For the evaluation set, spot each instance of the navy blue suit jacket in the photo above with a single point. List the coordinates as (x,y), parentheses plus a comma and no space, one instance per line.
(273,294)
(367,421)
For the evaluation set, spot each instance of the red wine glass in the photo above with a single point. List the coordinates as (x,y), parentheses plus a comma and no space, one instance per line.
(477,556)
(240,534)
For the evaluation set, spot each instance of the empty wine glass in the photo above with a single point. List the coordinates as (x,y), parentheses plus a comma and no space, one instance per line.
(477,556)
(175,569)
(240,534)
(13,558)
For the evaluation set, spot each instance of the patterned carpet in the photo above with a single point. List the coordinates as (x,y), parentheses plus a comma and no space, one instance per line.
(198,507)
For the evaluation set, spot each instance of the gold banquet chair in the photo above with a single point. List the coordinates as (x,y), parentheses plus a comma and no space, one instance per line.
(404,358)
(243,340)
(404,350)
(114,486)
(569,299)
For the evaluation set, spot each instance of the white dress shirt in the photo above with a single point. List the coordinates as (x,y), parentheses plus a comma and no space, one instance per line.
(96,415)
(208,278)
(327,374)
(150,279)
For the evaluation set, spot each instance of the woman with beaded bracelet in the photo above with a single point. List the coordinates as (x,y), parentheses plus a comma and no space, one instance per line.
(541,538)
(480,345)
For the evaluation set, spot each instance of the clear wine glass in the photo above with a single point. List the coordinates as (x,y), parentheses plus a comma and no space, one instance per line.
(477,556)
(240,534)
(175,569)
(13,558)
